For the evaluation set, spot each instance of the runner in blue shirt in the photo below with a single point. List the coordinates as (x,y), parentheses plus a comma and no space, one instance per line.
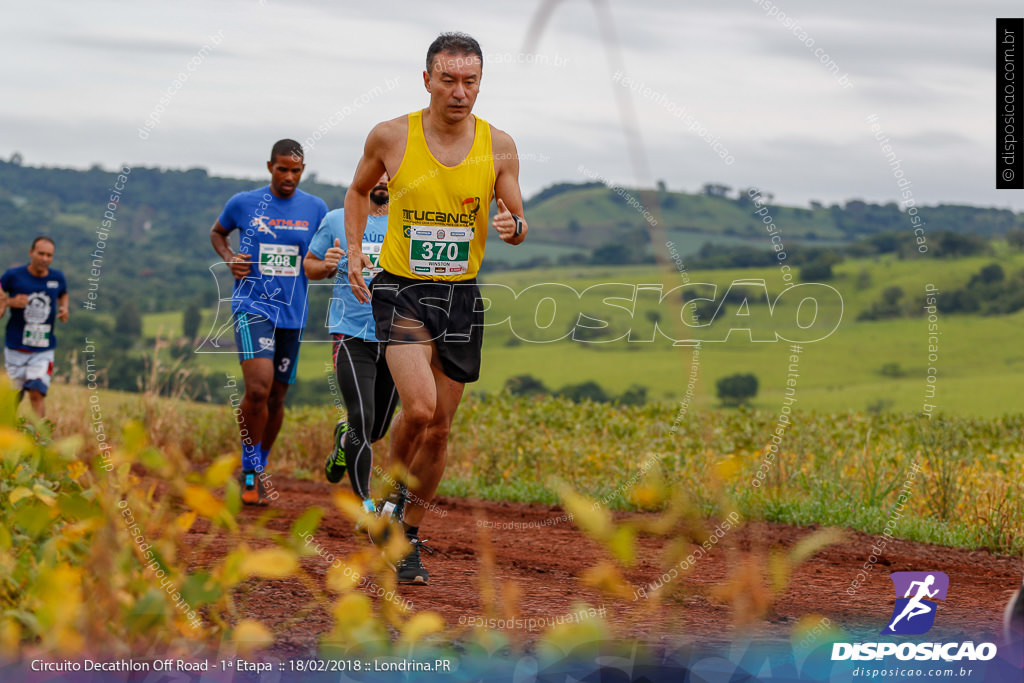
(37,296)
(268,303)
(364,379)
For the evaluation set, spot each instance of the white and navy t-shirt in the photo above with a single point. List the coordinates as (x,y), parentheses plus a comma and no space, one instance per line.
(31,328)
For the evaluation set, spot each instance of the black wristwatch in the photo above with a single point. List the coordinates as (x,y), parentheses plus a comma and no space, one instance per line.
(519,226)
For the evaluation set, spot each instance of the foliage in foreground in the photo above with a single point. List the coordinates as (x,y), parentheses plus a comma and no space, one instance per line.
(103,550)
(844,469)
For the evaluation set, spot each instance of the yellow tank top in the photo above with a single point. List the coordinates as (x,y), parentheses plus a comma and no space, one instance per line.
(437,215)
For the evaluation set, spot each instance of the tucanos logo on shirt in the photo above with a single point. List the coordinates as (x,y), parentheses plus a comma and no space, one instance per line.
(471,205)
(52,284)
(439,217)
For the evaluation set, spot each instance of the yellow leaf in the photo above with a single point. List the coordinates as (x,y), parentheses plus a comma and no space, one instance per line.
(221,470)
(352,610)
(251,635)
(582,638)
(396,548)
(13,441)
(230,573)
(593,518)
(809,545)
(622,544)
(348,504)
(44,494)
(648,495)
(10,637)
(185,521)
(726,469)
(59,591)
(422,625)
(344,577)
(20,493)
(203,502)
(606,577)
(270,563)
(134,436)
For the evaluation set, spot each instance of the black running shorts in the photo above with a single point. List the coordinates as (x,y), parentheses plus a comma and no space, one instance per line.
(410,311)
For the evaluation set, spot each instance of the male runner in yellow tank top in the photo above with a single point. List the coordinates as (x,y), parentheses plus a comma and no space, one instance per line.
(446,165)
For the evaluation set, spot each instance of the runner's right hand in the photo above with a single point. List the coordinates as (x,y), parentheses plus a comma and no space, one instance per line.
(356,264)
(240,265)
(19,301)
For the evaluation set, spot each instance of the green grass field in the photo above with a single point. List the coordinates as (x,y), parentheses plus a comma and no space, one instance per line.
(978,366)
(602,210)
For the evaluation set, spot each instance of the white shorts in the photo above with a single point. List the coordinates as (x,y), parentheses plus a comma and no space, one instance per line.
(29,369)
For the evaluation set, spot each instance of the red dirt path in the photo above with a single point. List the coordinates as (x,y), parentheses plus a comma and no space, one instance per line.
(546,561)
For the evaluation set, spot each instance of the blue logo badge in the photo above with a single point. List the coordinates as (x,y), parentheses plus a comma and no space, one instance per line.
(916,593)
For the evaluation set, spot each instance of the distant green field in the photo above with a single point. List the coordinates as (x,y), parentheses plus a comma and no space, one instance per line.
(514,255)
(600,209)
(979,366)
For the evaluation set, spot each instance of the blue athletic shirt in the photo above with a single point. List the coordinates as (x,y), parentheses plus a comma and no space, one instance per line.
(276,233)
(31,328)
(347,316)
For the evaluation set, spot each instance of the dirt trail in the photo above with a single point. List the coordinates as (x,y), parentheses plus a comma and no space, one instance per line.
(546,554)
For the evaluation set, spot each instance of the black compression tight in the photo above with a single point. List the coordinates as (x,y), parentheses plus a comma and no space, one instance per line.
(370,398)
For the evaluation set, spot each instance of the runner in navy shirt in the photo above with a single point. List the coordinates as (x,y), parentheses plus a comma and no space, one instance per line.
(268,303)
(37,296)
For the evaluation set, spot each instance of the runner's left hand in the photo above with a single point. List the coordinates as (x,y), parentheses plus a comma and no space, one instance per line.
(505,224)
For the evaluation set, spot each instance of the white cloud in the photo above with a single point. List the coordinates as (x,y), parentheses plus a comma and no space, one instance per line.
(88,76)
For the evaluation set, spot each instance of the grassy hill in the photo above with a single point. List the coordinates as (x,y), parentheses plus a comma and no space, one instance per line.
(163,217)
(604,213)
(876,365)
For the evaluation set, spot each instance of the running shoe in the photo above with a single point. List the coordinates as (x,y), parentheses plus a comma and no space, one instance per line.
(252,488)
(389,516)
(334,468)
(361,523)
(411,570)
(394,505)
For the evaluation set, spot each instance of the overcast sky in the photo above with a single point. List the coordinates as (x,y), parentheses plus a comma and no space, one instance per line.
(81,79)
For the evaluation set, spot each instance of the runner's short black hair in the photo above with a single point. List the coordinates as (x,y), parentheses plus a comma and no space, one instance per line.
(286,146)
(454,42)
(42,238)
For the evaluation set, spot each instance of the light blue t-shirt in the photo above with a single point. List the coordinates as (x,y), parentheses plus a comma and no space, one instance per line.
(275,233)
(347,316)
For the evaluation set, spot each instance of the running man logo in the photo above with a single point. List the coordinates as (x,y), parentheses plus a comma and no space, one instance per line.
(260,223)
(914,612)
